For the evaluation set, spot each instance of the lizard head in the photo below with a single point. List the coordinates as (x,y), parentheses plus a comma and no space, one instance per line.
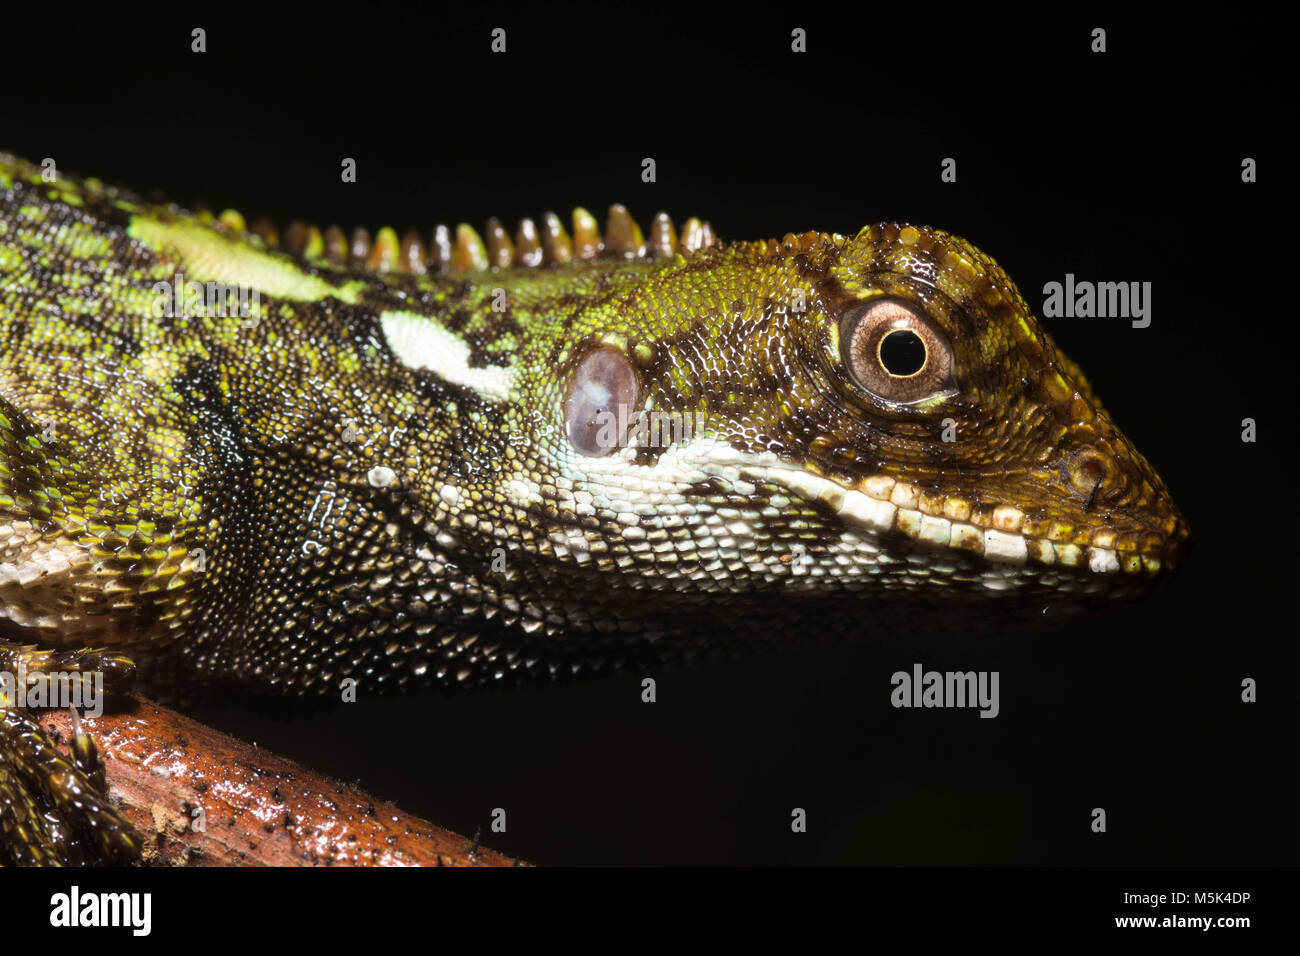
(457,456)
(878,413)
(643,427)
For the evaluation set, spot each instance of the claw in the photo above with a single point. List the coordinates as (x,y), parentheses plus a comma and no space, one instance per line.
(55,810)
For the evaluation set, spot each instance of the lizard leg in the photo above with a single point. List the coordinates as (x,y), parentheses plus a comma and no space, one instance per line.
(54,807)
(55,540)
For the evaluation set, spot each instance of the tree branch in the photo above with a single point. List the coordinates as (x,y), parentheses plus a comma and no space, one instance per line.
(258,809)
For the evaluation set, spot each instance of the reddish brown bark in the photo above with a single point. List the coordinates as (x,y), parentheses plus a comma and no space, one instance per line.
(259,809)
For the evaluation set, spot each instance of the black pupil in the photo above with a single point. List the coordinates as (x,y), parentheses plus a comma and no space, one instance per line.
(902,353)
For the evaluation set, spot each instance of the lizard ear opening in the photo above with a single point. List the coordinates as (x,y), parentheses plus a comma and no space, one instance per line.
(600,402)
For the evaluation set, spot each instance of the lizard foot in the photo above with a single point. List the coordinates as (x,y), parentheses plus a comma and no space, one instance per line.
(55,808)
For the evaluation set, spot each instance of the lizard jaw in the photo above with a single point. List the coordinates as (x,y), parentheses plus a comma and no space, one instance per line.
(1011,542)
(1001,534)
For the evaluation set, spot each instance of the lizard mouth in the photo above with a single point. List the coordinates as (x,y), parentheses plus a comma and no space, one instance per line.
(1001,534)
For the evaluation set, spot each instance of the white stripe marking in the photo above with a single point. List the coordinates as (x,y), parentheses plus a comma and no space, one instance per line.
(419,341)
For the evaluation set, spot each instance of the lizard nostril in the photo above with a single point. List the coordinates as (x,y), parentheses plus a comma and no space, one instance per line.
(1091,472)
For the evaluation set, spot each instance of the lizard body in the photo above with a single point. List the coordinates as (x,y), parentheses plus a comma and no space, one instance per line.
(477,462)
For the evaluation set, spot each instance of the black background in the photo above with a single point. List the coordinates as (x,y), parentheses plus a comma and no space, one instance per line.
(1124,166)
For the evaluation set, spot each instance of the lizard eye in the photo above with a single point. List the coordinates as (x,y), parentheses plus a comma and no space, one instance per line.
(895,352)
(603,384)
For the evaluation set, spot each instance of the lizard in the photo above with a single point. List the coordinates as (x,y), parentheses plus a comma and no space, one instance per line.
(231,458)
